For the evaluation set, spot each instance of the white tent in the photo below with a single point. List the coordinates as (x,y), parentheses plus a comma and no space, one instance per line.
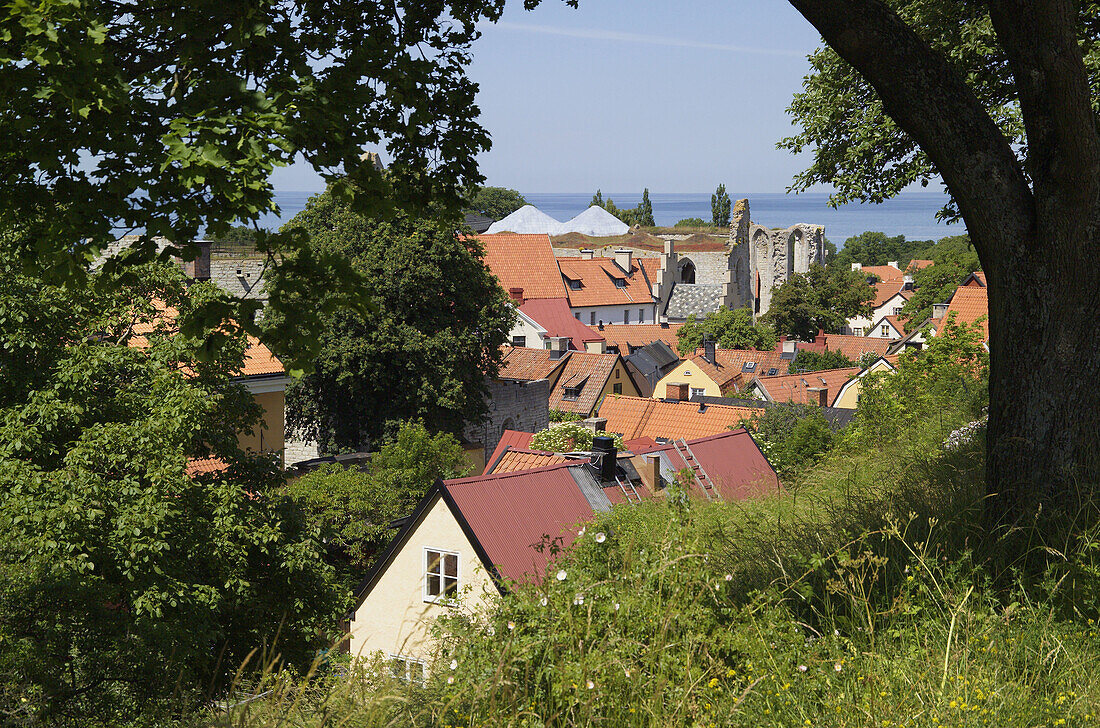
(597,222)
(527,219)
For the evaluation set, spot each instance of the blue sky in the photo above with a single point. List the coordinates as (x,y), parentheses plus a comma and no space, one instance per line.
(673,96)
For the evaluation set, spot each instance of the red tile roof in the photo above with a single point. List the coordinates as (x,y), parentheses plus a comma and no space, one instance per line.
(917,264)
(887,290)
(529,364)
(598,278)
(588,371)
(634,417)
(553,314)
(732,463)
(625,336)
(795,387)
(969,303)
(198,466)
(852,347)
(510,513)
(515,459)
(524,261)
(976,279)
(886,273)
(729,365)
(508,439)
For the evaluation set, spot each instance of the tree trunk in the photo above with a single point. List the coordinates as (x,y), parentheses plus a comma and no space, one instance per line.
(1044,384)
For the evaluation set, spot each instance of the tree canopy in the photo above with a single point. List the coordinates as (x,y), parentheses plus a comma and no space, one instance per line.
(807,360)
(720,207)
(820,299)
(422,352)
(125,578)
(496,202)
(728,328)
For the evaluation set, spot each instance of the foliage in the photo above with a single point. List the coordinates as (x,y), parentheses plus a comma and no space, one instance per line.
(820,299)
(955,250)
(423,352)
(353,508)
(557,415)
(934,284)
(127,586)
(815,361)
(792,436)
(644,214)
(873,248)
(948,378)
(239,234)
(729,328)
(107,130)
(597,199)
(496,202)
(720,207)
(569,437)
(692,222)
(830,252)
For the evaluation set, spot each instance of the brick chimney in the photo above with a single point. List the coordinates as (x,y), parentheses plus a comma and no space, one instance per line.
(622,258)
(650,471)
(821,394)
(587,253)
(199,268)
(680,391)
(516,294)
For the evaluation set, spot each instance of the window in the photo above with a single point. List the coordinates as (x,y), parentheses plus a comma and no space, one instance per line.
(406,669)
(696,392)
(592,318)
(616,373)
(897,310)
(687,372)
(772,372)
(857,332)
(572,393)
(519,341)
(577,315)
(617,387)
(574,285)
(641,315)
(620,282)
(626,316)
(885,331)
(441,569)
(749,366)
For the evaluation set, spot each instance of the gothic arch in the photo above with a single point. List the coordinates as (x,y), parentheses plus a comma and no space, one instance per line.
(685,271)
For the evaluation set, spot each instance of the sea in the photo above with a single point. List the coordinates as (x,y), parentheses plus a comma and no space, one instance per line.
(912,214)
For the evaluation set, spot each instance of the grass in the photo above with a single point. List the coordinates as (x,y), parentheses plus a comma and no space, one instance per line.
(869,595)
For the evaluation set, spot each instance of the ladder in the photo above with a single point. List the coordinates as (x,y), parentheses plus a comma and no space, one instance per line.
(623,485)
(697,471)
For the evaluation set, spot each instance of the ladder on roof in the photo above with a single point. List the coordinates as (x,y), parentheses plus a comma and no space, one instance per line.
(697,471)
(623,485)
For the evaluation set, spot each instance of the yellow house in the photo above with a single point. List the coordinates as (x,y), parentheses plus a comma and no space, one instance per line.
(848,396)
(263,376)
(714,373)
(827,388)
(467,541)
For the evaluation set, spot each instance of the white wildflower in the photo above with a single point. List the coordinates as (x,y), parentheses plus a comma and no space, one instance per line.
(601,537)
(802,668)
(450,680)
(579,599)
(511,625)
(838,667)
(729,577)
(544,601)
(591,684)
(616,606)
(562,575)
(454,664)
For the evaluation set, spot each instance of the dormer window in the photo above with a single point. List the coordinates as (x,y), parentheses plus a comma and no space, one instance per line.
(749,366)
(620,282)
(772,372)
(574,285)
(572,393)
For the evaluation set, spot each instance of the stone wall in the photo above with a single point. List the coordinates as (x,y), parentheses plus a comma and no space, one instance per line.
(243,277)
(513,405)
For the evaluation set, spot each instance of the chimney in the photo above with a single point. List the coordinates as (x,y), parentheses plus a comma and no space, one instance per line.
(894,264)
(604,457)
(198,269)
(857,266)
(939,309)
(822,395)
(650,471)
(587,253)
(907,283)
(516,294)
(708,351)
(622,259)
(559,346)
(596,347)
(596,424)
(679,391)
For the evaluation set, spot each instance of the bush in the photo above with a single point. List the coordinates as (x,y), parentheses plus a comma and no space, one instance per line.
(792,436)
(559,416)
(569,437)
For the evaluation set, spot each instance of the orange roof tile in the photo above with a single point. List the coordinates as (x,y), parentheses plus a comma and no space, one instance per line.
(795,387)
(587,371)
(969,303)
(513,460)
(917,264)
(524,261)
(729,365)
(528,364)
(886,273)
(635,417)
(854,347)
(626,337)
(887,290)
(977,279)
(199,466)
(604,283)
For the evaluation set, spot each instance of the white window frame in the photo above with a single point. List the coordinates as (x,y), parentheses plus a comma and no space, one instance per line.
(408,662)
(696,391)
(441,598)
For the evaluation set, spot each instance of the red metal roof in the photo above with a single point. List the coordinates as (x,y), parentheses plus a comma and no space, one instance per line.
(553,314)
(733,463)
(511,513)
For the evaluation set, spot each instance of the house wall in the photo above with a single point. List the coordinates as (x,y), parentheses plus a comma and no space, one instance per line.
(687,372)
(269,438)
(849,397)
(535,337)
(513,405)
(614,314)
(618,376)
(394,619)
(864,323)
(247,283)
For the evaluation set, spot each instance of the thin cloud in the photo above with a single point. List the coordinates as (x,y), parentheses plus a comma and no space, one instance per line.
(653,40)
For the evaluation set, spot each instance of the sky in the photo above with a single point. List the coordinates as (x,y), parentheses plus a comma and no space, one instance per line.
(617,95)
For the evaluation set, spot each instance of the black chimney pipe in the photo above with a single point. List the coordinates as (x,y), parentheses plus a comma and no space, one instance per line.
(604,457)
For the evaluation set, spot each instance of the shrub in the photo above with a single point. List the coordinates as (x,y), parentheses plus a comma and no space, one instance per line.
(568,437)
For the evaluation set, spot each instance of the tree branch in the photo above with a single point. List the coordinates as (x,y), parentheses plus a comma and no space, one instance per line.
(929,99)
(1063,158)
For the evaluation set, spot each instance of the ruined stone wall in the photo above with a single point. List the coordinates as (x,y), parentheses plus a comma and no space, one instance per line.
(243,277)
(513,405)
